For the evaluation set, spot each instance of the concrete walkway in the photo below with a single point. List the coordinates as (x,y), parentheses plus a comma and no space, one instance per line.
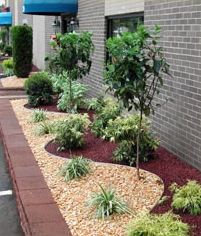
(39,214)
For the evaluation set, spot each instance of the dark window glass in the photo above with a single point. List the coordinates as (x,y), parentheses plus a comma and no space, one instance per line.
(124,23)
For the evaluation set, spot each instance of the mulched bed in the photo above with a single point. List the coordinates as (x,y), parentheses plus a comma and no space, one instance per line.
(164,164)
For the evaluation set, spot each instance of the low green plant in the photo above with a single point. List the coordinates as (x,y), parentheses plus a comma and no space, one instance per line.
(75,168)
(7,66)
(107,110)
(39,115)
(187,197)
(124,129)
(106,203)
(76,96)
(39,89)
(7,50)
(162,200)
(70,131)
(45,128)
(167,224)
(94,103)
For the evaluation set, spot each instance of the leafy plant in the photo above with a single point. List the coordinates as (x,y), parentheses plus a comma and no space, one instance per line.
(77,98)
(106,111)
(135,71)
(167,224)
(45,128)
(39,115)
(187,197)
(70,132)
(75,168)
(124,129)
(7,50)
(39,89)
(7,66)
(72,55)
(106,203)
(162,200)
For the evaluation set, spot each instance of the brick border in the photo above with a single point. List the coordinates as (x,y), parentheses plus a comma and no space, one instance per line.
(39,213)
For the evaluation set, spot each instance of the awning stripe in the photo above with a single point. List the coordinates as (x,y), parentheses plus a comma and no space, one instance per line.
(5,18)
(50,7)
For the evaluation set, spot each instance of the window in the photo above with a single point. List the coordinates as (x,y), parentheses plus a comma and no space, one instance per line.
(124,23)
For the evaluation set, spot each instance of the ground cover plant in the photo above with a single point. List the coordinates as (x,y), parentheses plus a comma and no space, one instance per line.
(167,224)
(187,197)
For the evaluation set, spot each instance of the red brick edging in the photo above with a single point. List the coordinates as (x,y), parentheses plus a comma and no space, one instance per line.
(39,214)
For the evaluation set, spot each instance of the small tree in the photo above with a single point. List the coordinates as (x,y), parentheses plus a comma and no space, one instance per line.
(22,42)
(134,72)
(71,53)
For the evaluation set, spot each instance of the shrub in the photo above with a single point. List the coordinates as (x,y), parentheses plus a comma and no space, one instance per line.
(167,224)
(39,89)
(106,203)
(22,50)
(7,66)
(187,197)
(75,168)
(69,132)
(125,130)
(108,110)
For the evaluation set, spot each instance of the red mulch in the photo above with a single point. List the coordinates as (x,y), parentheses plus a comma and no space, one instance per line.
(164,164)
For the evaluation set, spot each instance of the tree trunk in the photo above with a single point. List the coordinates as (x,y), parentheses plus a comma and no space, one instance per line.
(138,146)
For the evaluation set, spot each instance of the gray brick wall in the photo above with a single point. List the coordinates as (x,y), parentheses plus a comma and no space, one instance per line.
(178,124)
(91,16)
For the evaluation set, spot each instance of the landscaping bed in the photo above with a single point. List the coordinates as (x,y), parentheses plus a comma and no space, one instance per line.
(167,166)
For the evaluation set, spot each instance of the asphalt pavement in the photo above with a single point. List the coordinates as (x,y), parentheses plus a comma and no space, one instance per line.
(9,217)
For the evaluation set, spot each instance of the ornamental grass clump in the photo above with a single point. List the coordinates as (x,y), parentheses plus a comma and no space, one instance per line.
(39,115)
(187,197)
(75,168)
(106,203)
(167,224)
(70,131)
(45,128)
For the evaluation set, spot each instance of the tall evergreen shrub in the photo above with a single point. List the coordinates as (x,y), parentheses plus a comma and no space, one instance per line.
(22,42)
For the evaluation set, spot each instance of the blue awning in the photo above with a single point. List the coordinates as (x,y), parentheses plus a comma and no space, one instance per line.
(50,7)
(5,18)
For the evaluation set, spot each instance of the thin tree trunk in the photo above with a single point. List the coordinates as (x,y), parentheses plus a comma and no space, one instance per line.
(138,147)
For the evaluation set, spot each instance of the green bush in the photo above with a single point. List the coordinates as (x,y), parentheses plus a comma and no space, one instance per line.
(124,129)
(106,203)
(187,197)
(107,110)
(167,224)
(7,66)
(39,89)
(75,168)
(70,132)
(22,42)
(7,50)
